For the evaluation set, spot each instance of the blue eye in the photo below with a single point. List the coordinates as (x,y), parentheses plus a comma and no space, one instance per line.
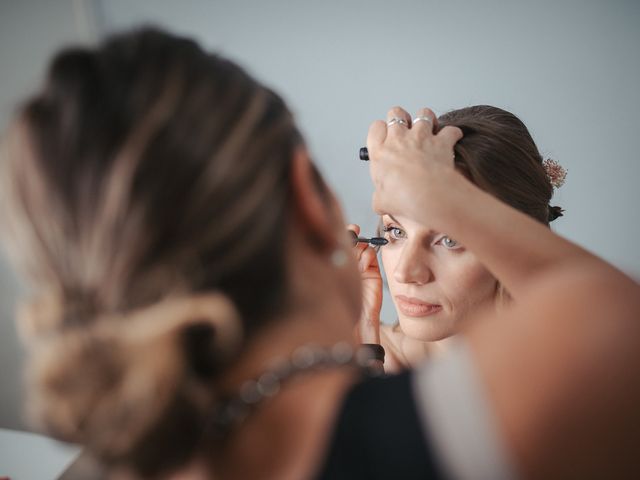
(394,232)
(449,243)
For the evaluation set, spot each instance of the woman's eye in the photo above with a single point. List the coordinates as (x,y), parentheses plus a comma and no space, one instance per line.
(394,232)
(449,243)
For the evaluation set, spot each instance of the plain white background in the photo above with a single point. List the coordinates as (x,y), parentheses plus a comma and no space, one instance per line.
(569,69)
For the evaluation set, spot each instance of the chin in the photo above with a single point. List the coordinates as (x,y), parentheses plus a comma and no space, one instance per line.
(426,329)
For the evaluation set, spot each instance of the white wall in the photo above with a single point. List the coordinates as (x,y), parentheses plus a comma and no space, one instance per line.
(569,69)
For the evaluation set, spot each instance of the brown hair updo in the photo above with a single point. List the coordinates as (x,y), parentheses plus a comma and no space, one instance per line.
(147,192)
(498,154)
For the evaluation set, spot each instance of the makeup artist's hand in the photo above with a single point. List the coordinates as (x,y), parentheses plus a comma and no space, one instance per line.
(368,329)
(409,163)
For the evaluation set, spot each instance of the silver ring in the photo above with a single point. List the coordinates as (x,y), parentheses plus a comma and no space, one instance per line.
(423,119)
(396,120)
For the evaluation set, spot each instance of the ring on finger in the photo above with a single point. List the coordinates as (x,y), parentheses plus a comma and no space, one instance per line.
(423,119)
(399,121)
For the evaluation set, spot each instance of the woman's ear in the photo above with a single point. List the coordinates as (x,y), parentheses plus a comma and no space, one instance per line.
(312,206)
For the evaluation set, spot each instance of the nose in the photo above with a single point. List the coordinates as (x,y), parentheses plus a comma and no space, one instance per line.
(414,264)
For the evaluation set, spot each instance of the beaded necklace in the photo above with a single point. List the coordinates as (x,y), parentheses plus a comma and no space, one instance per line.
(233,410)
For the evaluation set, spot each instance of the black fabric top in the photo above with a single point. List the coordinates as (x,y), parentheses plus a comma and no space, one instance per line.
(378,435)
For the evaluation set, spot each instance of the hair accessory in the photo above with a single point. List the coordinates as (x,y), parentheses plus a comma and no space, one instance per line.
(555,212)
(555,172)
(396,120)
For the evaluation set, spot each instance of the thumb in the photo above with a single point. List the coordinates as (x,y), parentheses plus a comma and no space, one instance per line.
(450,134)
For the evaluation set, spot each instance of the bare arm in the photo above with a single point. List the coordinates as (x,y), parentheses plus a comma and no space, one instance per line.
(513,246)
(561,370)
(413,172)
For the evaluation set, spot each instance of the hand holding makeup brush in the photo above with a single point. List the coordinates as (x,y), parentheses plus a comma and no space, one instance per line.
(368,330)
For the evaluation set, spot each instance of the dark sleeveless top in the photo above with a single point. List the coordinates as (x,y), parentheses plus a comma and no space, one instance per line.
(378,435)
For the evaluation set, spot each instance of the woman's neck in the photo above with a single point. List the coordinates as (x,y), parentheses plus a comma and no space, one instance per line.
(407,352)
(286,435)
(440,347)
(324,326)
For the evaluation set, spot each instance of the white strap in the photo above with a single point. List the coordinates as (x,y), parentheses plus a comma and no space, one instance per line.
(457,418)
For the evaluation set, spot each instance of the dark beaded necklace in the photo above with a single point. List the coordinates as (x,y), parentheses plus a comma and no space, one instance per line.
(233,410)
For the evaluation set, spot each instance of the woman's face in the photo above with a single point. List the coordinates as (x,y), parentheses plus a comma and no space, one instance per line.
(434,281)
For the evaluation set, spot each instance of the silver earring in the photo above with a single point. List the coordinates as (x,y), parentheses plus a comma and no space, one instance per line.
(339,258)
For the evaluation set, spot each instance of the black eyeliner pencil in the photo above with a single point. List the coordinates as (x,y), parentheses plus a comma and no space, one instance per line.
(375,241)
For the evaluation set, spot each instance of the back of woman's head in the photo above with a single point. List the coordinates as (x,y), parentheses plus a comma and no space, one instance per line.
(498,154)
(144,177)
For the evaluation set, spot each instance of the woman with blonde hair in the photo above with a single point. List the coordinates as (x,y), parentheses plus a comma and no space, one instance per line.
(194,297)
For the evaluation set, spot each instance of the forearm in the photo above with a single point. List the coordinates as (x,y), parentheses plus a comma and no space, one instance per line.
(516,248)
(561,370)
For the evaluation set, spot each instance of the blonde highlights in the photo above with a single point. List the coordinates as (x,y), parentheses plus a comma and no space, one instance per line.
(147,199)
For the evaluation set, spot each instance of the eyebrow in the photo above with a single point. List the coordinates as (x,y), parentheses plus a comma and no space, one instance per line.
(392,218)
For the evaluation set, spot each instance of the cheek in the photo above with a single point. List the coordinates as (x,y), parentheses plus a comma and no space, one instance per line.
(466,282)
(389,258)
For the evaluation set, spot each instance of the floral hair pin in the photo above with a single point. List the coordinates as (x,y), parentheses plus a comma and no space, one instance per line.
(555,172)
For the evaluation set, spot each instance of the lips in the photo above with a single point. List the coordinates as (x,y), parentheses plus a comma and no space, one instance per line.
(413,307)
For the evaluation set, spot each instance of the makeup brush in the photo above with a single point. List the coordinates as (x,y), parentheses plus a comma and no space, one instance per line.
(374,241)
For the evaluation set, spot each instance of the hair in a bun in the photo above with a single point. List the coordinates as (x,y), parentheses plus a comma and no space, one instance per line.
(498,154)
(145,175)
(555,212)
(114,386)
